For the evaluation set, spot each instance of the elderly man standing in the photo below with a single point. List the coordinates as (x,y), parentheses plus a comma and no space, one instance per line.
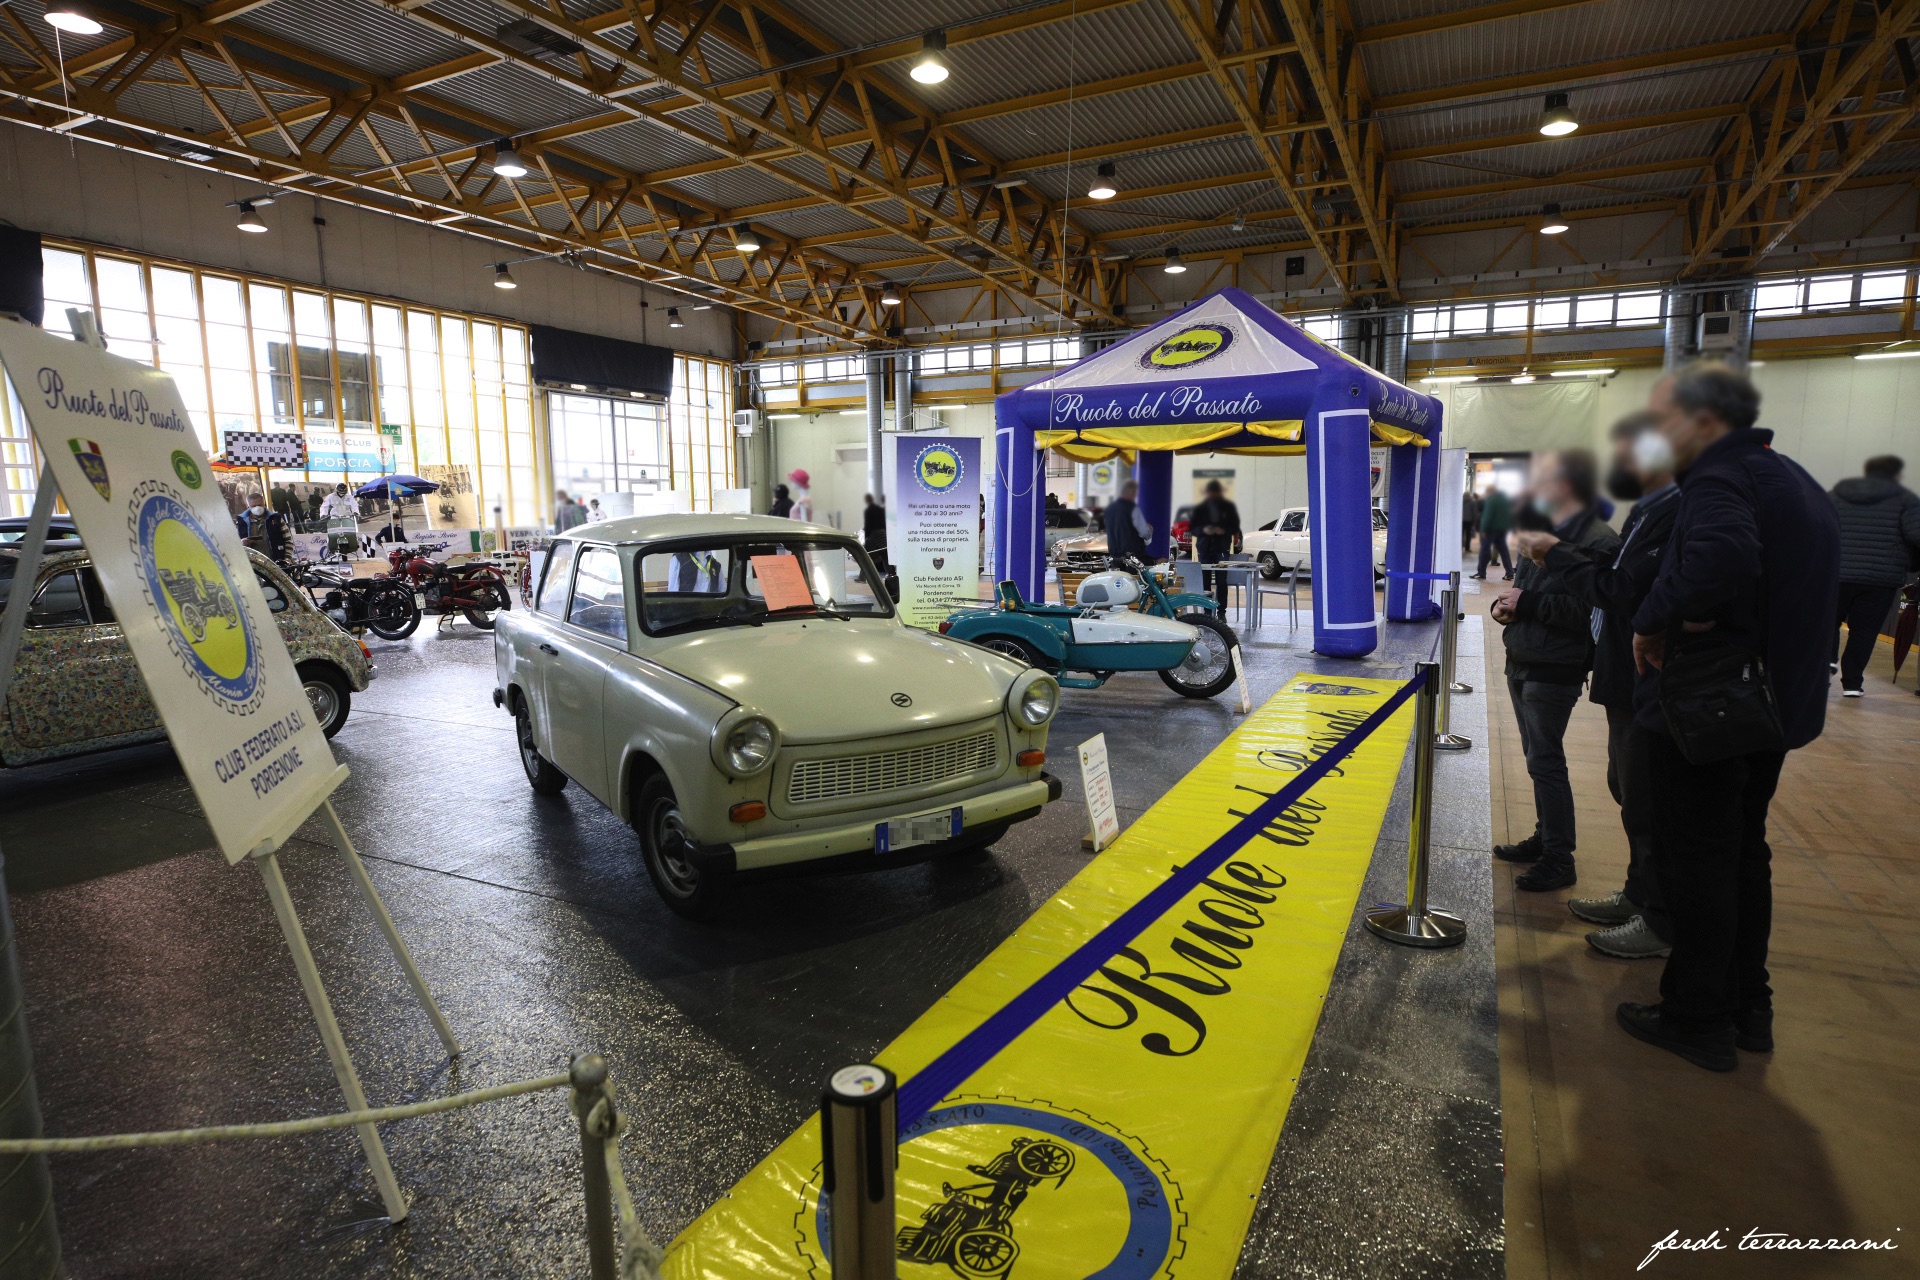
(1742,608)
(1549,640)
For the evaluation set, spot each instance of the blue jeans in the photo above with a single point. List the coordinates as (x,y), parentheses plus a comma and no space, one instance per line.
(1542,711)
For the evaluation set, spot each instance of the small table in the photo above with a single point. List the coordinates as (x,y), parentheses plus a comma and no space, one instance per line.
(1239,573)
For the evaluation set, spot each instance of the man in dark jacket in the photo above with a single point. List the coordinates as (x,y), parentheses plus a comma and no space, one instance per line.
(1753,563)
(873,532)
(1642,473)
(264,530)
(1879,544)
(1549,642)
(1216,535)
(1127,529)
(1496,518)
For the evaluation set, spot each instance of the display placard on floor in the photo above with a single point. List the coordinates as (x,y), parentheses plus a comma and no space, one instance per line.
(118,441)
(1098,785)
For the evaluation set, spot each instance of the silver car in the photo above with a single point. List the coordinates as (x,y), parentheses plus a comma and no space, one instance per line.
(740,691)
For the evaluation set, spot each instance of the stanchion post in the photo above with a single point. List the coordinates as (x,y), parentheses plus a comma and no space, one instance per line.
(1417,924)
(858,1150)
(1444,738)
(588,1072)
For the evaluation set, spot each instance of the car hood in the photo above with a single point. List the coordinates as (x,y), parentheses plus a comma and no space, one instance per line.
(820,680)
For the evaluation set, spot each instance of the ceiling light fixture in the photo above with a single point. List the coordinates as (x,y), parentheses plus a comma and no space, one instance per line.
(745,241)
(503,278)
(1522,379)
(1583,373)
(931,66)
(1105,183)
(889,297)
(1551,223)
(72,19)
(1174,266)
(1557,121)
(703,306)
(1442,379)
(506,160)
(249,220)
(673,319)
(1887,355)
(1239,222)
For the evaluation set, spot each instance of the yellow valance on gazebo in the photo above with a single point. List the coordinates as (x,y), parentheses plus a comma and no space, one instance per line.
(1098,444)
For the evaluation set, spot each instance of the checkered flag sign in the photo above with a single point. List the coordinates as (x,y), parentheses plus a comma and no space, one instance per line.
(266,449)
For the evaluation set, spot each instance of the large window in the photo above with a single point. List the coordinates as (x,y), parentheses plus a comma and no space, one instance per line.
(1837,291)
(1636,308)
(606,445)
(700,439)
(376,386)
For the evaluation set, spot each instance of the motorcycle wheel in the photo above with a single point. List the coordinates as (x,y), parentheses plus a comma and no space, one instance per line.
(392,612)
(483,617)
(1208,670)
(1014,647)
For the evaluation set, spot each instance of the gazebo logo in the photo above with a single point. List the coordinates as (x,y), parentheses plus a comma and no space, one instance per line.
(1190,346)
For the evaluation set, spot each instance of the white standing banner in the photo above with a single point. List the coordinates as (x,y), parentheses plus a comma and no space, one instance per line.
(1448,531)
(933,522)
(118,441)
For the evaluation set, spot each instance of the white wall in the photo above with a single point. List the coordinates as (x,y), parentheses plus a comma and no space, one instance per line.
(839,487)
(90,191)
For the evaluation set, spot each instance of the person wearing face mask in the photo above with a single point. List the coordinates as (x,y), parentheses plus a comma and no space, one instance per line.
(1634,917)
(1549,641)
(263,530)
(1751,572)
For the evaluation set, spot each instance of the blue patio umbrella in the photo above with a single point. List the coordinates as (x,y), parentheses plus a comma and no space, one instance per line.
(410,485)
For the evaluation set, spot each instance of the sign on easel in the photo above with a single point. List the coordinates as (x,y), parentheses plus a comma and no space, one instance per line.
(1098,784)
(1240,679)
(117,439)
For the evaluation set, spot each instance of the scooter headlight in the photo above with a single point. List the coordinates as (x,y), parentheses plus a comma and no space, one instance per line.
(1034,702)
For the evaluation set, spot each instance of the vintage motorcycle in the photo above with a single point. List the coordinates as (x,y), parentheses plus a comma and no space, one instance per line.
(383,605)
(475,591)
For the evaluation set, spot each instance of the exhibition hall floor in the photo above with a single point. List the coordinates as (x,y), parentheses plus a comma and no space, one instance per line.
(1612,1144)
(160,995)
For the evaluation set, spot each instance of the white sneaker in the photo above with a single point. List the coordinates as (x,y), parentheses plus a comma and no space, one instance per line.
(1630,941)
(1853,693)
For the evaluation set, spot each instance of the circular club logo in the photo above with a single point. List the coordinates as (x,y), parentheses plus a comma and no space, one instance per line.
(938,468)
(192,589)
(988,1182)
(186,468)
(1190,346)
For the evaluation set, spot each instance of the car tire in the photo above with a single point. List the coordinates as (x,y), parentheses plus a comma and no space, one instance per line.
(542,776)
(328,694)
(1218,637)
(689,890)
(1270,566)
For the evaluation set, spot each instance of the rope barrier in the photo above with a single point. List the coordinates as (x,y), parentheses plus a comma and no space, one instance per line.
(278,1128)
(972,1051)
(1419,577)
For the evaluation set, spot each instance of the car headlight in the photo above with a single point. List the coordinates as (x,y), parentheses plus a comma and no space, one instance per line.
(1034,703)
(748,746)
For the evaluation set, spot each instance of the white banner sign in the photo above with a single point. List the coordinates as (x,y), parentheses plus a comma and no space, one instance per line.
(133,474)
(1098,785)
(933,522)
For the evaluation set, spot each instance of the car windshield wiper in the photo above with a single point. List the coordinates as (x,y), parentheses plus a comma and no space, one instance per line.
(822,610)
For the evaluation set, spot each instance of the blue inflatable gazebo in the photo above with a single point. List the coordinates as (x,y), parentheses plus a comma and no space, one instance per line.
(1230,375)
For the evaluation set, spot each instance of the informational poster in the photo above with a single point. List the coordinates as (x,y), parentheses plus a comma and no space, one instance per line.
(1097,782)
(130,467)
(933,522)
(1450,497)
(453,505)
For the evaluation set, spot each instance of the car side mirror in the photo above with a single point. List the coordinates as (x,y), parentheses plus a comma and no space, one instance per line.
(893,587)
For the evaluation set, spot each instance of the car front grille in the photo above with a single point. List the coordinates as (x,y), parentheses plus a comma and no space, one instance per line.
(814,781)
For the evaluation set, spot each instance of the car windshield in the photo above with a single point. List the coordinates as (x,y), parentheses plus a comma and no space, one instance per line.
(745,582)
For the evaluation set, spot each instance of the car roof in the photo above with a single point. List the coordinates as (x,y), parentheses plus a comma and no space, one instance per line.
(629,529)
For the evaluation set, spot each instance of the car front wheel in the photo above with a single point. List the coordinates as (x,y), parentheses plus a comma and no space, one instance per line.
(328,693)
(671,854)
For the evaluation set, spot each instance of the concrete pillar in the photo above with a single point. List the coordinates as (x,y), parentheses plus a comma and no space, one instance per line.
(876,412)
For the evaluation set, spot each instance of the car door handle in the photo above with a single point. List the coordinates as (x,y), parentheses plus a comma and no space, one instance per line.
(547,648)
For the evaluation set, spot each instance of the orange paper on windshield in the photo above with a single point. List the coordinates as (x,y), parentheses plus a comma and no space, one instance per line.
(782,581)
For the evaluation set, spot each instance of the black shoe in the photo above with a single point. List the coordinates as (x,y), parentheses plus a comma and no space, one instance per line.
(1710,1049)
(1527,850)
(1478,577)
(1753,1031)
(1546,875)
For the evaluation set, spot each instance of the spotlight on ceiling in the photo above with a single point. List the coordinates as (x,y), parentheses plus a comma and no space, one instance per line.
(931,66)
(746,242)
(506,161)
(1104,185)
(72,19)
(1174,266)
(1551,223)
(1557,121)
(503,278)
(249,220)
(1239,222)
(889,297)
(703,306)
(673,319)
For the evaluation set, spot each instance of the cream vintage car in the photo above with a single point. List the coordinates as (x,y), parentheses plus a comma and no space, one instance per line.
(739,691)
(76,687)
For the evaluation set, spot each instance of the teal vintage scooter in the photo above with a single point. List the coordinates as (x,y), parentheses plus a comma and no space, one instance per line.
(1123,622)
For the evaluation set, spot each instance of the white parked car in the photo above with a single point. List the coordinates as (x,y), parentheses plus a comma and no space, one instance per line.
(1285,542)
(740,691)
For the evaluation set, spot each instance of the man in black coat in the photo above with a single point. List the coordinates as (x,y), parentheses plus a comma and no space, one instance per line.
(1216,535)
(1635,916)
(1753,563)
(1127,528)
(873,532)
(1879,545)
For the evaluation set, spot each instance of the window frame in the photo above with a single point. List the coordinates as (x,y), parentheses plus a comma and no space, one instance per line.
(626,596)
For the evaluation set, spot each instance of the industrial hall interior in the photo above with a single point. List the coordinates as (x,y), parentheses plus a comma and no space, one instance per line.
(959,639)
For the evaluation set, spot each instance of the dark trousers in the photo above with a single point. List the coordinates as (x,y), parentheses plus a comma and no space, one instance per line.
(1632,785)
(1542,711)
(1711,853)
(1489,543)
(1864,608)
(1213,551)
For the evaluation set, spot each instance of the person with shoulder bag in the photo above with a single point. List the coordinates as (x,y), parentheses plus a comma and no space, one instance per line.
(1742,680)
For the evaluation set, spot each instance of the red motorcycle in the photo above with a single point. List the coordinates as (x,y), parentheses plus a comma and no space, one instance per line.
(477,591)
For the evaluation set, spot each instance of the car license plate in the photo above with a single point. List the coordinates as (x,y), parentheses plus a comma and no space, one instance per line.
(921,828)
